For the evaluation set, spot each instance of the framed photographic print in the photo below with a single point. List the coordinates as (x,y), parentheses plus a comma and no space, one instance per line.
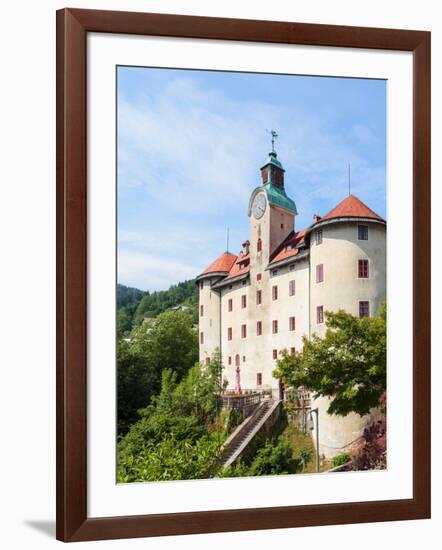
(243,280)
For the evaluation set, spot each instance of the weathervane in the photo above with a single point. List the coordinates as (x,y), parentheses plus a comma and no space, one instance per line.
(274,135)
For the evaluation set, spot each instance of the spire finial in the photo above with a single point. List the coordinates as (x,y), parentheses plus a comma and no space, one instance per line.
(274,135)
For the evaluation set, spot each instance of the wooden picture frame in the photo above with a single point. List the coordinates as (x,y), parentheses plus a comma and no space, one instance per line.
(73,523)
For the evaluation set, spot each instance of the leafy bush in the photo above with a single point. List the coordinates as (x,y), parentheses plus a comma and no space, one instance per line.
(341,459)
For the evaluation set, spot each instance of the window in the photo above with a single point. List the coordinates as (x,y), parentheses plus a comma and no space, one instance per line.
(292,350)
(292,267)
(243,358)
(243,331)
(242,265)
(320,273)
(292,323)
(364,309)
(282,226)
(243,301)
(363,269)
(258,297)
(275,354)
(244,283)
(274,272)
(230,359)
(292,288)
(201,337)
(288,247)
(258,328)
(229,333)
(258,245)
(363,232)
(320,314)
(201,311)
(275,327)
(230,287)
(258,276)
(230,308)
(207,360)
(274,292)
(318,236)
(258,378)
(201,285)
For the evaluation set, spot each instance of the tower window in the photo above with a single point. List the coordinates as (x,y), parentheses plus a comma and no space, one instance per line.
(258,378)
(230,304)
(274,292)
(318,236)
(243,301)
(230,360)
(243,358)
(201,311)
(259,245)
(282,226)
(243,331)
(275,354)
(229,333)
(258,328)
(201,338)
(292,288)
(275,327)
(258,297)
(364,309)
(363,232)
(258,276)
(320,273)
(320,314)
(292,323)
(363,269)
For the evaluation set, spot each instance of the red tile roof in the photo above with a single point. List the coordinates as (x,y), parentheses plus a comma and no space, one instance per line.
(236,267)
(223,264)
(351,207)
(289,247)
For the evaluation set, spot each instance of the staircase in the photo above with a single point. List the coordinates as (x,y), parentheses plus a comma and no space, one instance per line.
(245,433)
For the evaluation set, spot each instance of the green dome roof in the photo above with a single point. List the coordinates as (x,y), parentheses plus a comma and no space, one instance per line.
(278,197)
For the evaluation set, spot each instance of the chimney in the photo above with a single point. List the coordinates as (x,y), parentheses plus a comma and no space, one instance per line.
(245,247)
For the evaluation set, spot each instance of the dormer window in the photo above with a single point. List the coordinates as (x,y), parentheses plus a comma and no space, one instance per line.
(289,247)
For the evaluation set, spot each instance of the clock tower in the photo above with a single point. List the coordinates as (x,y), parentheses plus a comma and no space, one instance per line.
(271,212)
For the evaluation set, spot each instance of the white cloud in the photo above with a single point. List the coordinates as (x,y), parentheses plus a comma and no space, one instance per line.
(149,272)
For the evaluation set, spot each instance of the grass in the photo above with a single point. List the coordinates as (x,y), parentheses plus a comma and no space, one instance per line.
(300,441)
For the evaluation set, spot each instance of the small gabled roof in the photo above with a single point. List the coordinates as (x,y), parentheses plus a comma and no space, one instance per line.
(290,247)
(351,207)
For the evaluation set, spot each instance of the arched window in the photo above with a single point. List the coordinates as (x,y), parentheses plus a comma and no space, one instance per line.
(237,360)
(259,245)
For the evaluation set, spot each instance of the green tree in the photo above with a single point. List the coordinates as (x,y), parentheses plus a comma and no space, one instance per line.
(175,439)
(347,365)
(168,342)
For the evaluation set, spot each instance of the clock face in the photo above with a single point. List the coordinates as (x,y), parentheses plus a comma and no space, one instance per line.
(259,206)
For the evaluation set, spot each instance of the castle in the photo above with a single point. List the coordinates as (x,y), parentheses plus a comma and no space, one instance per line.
(278,288)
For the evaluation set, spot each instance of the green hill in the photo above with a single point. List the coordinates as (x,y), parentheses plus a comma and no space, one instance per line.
(134,305)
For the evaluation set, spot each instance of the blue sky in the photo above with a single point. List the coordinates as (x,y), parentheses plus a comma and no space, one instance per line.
(190,145)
